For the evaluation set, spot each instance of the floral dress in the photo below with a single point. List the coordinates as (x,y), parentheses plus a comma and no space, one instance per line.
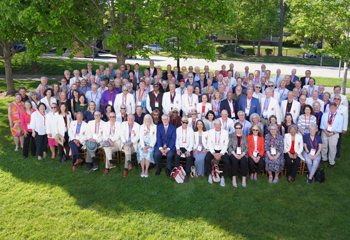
(16,109)
(278,144)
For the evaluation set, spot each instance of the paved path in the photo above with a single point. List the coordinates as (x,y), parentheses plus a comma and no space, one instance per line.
(323,71)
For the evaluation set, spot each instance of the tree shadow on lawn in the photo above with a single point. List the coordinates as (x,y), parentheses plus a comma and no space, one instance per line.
(260,210)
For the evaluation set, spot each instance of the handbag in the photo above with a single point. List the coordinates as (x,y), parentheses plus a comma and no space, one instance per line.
(215,173)
(178,174)
(320,176)
(193,171)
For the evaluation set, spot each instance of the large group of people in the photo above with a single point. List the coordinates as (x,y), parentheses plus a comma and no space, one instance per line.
(246,120)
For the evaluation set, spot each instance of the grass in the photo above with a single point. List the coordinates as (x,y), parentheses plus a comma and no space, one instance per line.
(46,200)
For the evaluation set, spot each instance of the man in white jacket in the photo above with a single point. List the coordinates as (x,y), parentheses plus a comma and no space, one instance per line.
(96,136)
(111,135)
(78,134)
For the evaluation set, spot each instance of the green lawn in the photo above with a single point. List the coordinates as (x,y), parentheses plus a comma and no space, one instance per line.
(46,200)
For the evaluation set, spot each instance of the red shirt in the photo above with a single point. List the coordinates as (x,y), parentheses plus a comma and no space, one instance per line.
(292,148)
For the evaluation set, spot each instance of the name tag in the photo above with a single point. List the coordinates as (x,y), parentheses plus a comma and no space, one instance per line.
(265,113)
(95,136)
(216,113)
(239,150)
(313,152)
(233,114)
(139,103)
(145,134)
(200,147)
(156,104)
(110,103)
(247,111)
(217,145)
(329,127)
(273,151)
(77,136)
(255,153)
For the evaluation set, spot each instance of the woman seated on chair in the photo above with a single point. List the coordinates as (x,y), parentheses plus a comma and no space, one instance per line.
(274,159)
(255,151)
(148,139)
(200,147)
(288,121)
(312,151)
(293,147)
(238,152)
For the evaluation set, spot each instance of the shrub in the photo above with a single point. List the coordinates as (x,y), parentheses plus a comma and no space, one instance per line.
(290,43)
(268,51)
(249,51)
(220,50)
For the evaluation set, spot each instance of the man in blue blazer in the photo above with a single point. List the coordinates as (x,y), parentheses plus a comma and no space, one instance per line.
(249,105)
(166,139)
(229,104)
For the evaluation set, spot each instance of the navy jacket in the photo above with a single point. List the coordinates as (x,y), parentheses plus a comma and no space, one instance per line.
(169,139)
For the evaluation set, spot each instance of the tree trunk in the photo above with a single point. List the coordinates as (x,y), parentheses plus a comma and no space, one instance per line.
(346,66)
(121,57)
(34,66)
(236,41)
(8,70)
(280,35)
(259,45)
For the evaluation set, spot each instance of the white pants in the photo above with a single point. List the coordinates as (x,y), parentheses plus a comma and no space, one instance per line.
(329,145)
(128,152)
(109,151)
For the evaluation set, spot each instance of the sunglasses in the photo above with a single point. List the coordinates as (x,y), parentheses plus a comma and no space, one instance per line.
(255,130)
(125,89)
(123,108)
(111,116)
(185,122)
(238,128)
(155,86)
(53,107)
(257,87)
(271,86)
(337,99)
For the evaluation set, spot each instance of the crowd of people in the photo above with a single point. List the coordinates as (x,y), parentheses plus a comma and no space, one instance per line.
(248,120)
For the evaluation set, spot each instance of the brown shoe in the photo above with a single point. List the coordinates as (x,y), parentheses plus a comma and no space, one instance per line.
(78,161)
(106,172)
(130,166)
(330,166)
(111,166)
(125,173)
(74,168)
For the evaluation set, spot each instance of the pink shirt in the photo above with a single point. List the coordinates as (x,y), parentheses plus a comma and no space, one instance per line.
(25,120)
(223,73)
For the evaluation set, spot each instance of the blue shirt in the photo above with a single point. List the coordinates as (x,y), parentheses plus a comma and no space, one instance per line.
(245,126)
(337,122)
(78,129)
(96,97)
(88,116)
(85,90)
(266,104)
(307,141)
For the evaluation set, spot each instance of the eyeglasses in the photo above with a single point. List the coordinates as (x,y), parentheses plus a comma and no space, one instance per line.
(53,107)
(185,122)
(122,108)
(155,86)
(175,112)
(337,99)
(111,116)
(238,128)
(257,87)
(255,130)
(270,85)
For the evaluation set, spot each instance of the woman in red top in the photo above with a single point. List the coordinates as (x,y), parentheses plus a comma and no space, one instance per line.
(223,70)
(255,151)
(25,121)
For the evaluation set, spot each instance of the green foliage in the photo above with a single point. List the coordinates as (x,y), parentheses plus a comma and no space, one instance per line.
(290,43)
(220,50)
(229,53)
(268,51)
(249,51)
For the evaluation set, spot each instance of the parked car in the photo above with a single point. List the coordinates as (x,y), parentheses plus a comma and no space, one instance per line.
(19,46)
(233,47)
(154,47)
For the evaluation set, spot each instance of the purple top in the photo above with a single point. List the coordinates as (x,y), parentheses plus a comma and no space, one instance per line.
(108,97)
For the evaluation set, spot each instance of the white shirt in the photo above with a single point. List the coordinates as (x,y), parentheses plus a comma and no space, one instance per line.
(189,103)
(37,123)
(168,105)
(96,130)
(344,100)
(47,104)
(343,110)
(50,123)
(184,138)
(227,125)
(217,141)
(311,101)
(128,101)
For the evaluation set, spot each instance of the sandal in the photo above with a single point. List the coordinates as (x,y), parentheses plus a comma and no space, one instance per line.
(16,149)
(276,180)
(53,156)
(270,179)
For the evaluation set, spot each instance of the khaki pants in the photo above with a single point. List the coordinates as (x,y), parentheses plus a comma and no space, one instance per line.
(128,152)
(109,151)
(329,145)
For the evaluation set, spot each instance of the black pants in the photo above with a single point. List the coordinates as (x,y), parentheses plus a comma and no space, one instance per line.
(225,158)
(188,160)
(292,168)
(234,165)
(29,139)
(41,143)
(338,146)
(66,145)
(260,165)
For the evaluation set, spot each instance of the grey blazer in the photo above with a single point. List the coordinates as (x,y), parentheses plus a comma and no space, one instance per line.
(232,145)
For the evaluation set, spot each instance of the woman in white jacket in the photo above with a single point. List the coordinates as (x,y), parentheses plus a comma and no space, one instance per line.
(148,139)
(293,147)
(203,107)
(37,124)
(48,99)
(63,120)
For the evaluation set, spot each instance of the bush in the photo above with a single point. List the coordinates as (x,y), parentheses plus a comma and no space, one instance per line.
(220,50)
(249,51)
(290,43)
(230,53)
(268,51)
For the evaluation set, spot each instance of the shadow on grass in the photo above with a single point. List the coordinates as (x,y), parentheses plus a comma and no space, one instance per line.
(261,210)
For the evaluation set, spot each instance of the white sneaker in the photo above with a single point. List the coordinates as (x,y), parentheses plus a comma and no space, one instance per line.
(222,183)
(210,179)
(146,176)
(142,175)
